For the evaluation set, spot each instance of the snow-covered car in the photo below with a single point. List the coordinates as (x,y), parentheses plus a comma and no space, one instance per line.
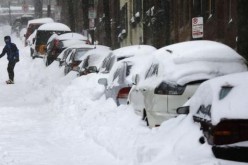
(33,25)
(57,43)
(92,60)
(125,65)
(175,74)
(44,32)
(122,53)
(75,57)
(220,107)
(119,81)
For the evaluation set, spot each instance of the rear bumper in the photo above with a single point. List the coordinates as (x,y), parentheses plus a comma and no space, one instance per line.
(233,153)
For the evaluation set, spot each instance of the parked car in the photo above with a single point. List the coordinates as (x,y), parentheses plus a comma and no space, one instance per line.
(21,22)
(122,53)
(57,43)
(220,107)
(64,54)
(44,32)
(75,57)
(92,60)
(175,74)
(119,80)
(33,25)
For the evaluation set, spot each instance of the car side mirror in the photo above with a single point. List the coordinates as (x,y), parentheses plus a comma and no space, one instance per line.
(135,79)
(183,110)
(103,81)
(92,69)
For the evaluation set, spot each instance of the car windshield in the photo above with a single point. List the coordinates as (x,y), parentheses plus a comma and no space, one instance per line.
(80,53)
(43,36)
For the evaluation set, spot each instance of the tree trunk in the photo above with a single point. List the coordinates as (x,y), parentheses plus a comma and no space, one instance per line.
(38,4)
(107,23)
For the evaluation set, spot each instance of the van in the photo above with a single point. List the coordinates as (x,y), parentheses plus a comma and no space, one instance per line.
(44,32)
(33,25)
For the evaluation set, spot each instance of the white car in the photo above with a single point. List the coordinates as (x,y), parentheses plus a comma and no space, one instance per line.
(175,74)
(220,107)
(77,55)
(92,60)
(117,66)
(123,53)
(119,81)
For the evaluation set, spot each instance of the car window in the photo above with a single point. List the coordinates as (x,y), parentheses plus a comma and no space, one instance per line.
(119,73)
(224,91)
(86,62)
(165,88)
(80,53)
(128,68)
(153,70)
(106,65)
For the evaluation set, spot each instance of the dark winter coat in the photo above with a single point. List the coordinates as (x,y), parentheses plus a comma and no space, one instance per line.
(12,52)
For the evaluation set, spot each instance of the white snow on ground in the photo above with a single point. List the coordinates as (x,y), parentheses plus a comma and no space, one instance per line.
(47,118)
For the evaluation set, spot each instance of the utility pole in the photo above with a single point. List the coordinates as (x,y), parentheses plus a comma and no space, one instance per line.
(10,22)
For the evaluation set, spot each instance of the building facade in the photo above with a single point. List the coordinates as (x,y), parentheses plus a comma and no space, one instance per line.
(119,23)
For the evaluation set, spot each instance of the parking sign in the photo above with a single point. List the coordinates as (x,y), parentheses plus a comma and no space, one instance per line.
(197,27)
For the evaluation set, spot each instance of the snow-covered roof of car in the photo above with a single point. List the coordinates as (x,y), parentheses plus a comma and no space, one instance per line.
(129,51)
(200,51)
(55,26)
(71,36)
(40,20)
(197,60)
(232,106)
(69,43)
(100,47)
(96,56)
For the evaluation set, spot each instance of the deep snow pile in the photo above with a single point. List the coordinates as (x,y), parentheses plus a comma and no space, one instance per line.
(47,118)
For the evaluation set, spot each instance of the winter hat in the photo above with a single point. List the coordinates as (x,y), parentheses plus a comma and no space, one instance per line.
(7,39)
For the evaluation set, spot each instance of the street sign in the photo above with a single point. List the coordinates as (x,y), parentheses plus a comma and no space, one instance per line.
(92,13)
(197,27)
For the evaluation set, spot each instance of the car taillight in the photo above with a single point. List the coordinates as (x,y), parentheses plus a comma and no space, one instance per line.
(123,93)
(229,131)
(222,133)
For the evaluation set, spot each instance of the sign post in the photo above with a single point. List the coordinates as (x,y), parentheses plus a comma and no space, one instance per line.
(197,27)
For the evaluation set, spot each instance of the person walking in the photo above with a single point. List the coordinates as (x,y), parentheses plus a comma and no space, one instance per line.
(12,56)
